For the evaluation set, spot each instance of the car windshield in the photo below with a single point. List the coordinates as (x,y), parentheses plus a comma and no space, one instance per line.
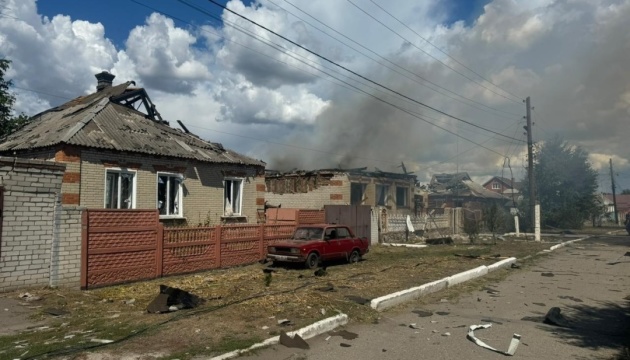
(308,233)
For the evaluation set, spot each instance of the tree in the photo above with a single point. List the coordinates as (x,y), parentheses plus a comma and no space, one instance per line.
(625,192)
(566,186)
(8,122)
(495,219)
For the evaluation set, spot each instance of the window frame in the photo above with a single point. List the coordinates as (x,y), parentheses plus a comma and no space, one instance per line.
(240,198)
(363,190)
(406,197)
(180,193)
(496,185)
(119,171)
(386,196)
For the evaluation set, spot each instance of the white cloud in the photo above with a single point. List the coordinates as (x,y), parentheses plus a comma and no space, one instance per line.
(570,56)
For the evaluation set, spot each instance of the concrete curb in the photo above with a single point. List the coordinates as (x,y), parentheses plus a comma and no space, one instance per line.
(501,264)
(563,244)
(418,246)
(306,332)
(467,275)
(399,297)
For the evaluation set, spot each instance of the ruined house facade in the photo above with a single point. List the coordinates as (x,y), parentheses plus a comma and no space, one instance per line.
(315,189)
(118,157)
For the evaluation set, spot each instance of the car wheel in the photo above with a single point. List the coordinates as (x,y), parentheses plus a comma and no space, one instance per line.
(312,261)
(354,257)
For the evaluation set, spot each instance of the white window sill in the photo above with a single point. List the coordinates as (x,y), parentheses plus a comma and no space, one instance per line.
(233,216)
(166,217)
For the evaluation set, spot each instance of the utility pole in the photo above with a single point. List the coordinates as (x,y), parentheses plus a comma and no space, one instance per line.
(530,164)
(612,180)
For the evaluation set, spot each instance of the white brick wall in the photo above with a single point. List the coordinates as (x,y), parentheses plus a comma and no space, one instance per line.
(31,188)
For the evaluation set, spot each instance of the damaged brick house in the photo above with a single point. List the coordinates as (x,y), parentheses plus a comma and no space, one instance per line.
(503,185)
(121,158)
(458,190)
(314,189)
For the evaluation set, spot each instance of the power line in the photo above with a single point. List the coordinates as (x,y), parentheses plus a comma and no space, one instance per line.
(456,97)
(428,54)
(442,51)
(355,73)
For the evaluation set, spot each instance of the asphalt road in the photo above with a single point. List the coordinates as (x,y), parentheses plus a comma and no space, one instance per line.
(590,280)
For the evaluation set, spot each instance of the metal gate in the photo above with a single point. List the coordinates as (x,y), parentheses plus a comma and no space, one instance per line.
(357,217)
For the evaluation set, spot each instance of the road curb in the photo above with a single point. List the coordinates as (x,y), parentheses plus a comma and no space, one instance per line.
(467,275)
(501,264)
(399,297)
(306,332)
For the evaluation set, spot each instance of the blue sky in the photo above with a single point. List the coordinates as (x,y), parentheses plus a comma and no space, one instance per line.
(120,16)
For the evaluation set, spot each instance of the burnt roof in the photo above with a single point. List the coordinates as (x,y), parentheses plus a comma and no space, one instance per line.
(106,120)
(352,172)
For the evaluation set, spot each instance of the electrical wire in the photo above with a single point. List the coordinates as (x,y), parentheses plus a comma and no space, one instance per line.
(433,57)
(442,51)
(414,74)
(354,72)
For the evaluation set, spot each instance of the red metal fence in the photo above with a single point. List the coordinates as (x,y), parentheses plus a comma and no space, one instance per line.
(129,245)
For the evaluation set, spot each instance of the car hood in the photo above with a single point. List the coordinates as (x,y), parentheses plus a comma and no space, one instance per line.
(294,243)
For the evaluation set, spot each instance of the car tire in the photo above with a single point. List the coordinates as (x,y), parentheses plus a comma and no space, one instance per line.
(354,257)
(312,261)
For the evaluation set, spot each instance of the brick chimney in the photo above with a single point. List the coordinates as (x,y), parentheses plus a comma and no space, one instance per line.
(104,80)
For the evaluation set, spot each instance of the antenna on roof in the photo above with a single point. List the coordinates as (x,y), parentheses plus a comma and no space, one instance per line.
(402,165)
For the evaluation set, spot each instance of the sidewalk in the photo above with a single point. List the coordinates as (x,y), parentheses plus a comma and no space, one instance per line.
(584,285)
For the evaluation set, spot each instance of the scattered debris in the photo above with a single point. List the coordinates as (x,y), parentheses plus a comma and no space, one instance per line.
(548,274)
(414,326)
(328,337)
(101,341)
(539,304)
(107,300)
(344,345)
(327,288)
(554,317)
(69,336)
(443,300)
(320,272)
(566,297)
(346,335)
(384,350)
(422,313)
(173,299)
(515,266)
(28,297)
(434,331)
(130,301)
(516,338)
(322,311)
(433,322)
(265,327)
(491,290)
(114,316)
(293,342)
(446,334)
(469,256)
(56,312)
(492,321)
(285,322)
(358,299)
(442,313)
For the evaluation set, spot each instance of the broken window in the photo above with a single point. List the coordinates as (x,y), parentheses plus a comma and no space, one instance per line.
(356,193)
(169,194)
(382,193)
(232,190)
(402,196)
(496,186)
(120,189)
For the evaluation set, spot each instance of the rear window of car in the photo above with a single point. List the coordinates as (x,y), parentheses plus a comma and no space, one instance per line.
(342,233)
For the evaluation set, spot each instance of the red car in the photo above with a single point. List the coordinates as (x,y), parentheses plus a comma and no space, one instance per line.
(312,244)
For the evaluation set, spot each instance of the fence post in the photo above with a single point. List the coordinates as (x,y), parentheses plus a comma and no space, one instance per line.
(261,249)
(217,245)
(159,250)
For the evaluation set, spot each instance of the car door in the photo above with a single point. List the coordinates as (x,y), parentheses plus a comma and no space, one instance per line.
(331,244)
(345,242)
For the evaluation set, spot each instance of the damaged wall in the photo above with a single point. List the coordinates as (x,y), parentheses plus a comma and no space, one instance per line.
(293,192)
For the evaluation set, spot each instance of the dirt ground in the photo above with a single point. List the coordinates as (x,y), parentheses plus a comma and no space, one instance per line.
(239,309)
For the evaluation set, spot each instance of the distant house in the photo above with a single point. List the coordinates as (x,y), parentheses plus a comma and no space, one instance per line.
(119,157)
(623,206)
(317,188)
(458,190)
(503,185)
